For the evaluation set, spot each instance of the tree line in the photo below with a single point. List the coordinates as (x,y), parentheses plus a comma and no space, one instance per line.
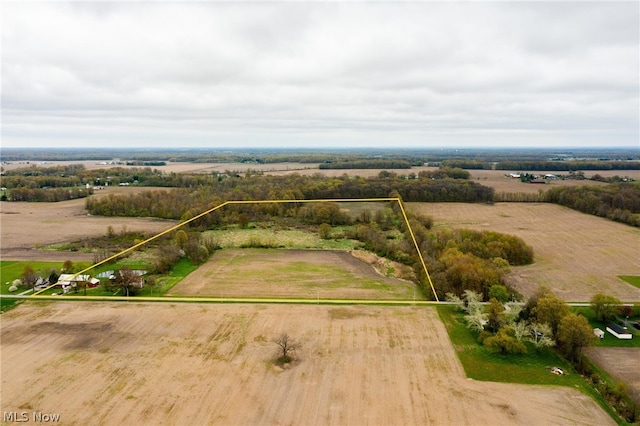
(183,203)
(542,165)
(366,164)
(617,201)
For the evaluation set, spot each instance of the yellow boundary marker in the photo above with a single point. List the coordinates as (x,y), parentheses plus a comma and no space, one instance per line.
(181,224)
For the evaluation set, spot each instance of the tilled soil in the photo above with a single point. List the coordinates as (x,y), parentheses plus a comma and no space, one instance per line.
(195,364)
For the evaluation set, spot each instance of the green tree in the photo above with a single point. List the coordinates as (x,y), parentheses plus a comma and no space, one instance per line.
(574,333)
(505,342)
(243,220)
(181,238)
(604,306)
(495,315)
(499,292)
(324,230)
(550,309)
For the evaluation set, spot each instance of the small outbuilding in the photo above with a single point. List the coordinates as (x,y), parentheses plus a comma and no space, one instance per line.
(599,333)
(618,331)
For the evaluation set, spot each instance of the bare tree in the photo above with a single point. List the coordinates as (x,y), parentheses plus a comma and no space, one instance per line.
(128,280)
(28,277)
(287,347)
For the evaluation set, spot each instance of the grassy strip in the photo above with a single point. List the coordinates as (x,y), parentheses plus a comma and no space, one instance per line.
(7,304)
(634,280)
(530,368)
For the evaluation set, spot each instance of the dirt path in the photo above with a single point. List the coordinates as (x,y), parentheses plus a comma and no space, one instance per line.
(149,364)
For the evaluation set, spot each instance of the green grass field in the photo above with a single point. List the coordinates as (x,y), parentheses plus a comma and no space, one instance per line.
(11,270)
(283,273)
(634,280)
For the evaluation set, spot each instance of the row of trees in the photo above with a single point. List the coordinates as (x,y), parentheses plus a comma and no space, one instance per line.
(617,201)
(541,164)
(45,194)
(187,202)
(380,163)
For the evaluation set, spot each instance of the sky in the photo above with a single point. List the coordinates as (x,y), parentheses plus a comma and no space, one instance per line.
(419,74)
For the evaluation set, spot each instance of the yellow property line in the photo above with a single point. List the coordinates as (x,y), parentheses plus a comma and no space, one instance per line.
(277,300)
(181,224)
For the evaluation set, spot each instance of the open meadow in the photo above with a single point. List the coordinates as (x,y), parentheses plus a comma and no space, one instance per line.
(308,274)
(576,255)
(121,363)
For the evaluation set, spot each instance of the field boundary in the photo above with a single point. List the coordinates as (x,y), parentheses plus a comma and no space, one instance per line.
(232,202)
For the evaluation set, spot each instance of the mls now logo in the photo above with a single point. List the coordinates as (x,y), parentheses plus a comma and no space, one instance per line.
(36,416)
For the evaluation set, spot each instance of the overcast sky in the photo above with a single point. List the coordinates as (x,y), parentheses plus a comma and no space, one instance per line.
(322,74)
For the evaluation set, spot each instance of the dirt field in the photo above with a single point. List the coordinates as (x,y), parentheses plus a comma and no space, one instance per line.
(290,273)
(25,226)
(577,255)
(175,167)
(621,363)
(151,364)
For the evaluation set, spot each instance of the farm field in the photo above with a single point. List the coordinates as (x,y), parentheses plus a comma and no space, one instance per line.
(26,226)
(496,179)
(213,364)
(291,274)
(576,255)
(622,364)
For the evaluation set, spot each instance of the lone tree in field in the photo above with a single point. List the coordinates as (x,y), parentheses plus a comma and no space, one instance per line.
(287,347)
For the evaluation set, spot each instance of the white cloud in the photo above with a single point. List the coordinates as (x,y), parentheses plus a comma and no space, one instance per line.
(337,74)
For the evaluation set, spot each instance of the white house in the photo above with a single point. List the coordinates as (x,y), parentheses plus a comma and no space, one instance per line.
(599,333)
(618,331)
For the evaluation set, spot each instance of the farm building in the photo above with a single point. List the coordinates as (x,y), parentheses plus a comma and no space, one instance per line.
(599,333)
(68,280)
(619,332)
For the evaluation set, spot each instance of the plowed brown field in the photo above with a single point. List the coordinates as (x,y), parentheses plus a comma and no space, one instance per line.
(622,364)
(186,364)
(576,255)
(27,226)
